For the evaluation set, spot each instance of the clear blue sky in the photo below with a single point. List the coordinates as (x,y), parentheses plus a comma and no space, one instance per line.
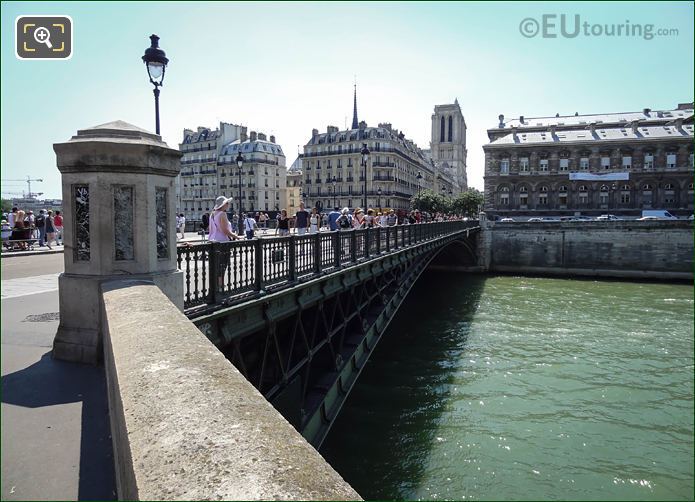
(285,68)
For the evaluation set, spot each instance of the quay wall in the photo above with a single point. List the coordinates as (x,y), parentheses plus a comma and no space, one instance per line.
(186,424)
(659,250)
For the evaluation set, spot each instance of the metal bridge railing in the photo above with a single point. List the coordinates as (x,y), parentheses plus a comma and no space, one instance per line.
(224,272)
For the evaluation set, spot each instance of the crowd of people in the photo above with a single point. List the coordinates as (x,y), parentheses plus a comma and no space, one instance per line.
(22,229)
(219,224)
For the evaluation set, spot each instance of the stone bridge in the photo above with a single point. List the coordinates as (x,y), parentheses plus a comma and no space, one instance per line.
(299,316)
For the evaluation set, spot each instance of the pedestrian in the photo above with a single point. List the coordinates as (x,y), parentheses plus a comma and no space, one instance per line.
(221,231)
(235,223)
(49,229)
(21,230)
(250,226)
(344,221)
(392,219)
(181,225)
(12,217)
(205,224)
(358,220)
(263,221)
(58,223)
(301,219)
(314,220)
(283,227)
(324,220)
(40,224)
(370,219)
(333,219)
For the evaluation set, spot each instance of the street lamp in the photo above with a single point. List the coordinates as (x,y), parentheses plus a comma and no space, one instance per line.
(156,61)
(240,163)
(378,192)
(614,187)
(333,182)
(419,180)
(365,158)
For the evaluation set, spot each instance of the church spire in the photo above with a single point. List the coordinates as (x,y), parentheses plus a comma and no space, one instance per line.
(355,124)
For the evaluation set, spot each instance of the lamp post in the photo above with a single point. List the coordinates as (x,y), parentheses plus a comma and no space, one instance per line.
(419,180)
(333,182)
(365,159)
(614,187)
(378,192)
(240,163)
(156,62)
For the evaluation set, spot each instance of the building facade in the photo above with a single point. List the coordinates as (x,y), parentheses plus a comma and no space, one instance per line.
(448,144)
(209,169)
(291,196)
(334,174)
(617,163)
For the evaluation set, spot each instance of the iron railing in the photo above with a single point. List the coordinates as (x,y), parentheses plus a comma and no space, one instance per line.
(218,273)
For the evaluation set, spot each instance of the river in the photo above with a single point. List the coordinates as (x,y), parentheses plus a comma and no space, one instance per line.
(516,388)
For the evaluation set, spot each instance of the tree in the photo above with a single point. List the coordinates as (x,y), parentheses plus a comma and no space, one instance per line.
(6,205)
(431,202)
(468,202)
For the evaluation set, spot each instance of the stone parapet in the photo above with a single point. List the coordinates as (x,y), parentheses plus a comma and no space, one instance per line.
(186,424)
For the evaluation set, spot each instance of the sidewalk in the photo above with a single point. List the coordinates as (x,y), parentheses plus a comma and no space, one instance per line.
(56,442)
(36,251)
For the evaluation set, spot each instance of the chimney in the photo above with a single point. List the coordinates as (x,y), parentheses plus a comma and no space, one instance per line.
(243,136)
(679,123)
(685,106)
(501,119)
(592,127)
(646,111)
(200,129)
(576,114)
(553,129)
(253,135)
(314,133)
(514,132)
(272,138)
(262,137)
(331,129)
(521,119)
(363,125)
(635,125)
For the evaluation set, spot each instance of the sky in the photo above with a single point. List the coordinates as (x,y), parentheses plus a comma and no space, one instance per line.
(286,68)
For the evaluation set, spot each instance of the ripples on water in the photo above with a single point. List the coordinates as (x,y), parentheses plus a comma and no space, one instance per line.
(521,388)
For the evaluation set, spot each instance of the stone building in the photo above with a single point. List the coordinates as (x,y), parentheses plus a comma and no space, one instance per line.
(209,169)
(291,196)
(618,163)
(448,145)
(334,174)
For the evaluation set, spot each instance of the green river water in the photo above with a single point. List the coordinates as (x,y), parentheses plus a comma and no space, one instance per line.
(514,388)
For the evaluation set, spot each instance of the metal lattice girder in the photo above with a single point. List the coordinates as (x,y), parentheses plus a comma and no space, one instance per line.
(304,347)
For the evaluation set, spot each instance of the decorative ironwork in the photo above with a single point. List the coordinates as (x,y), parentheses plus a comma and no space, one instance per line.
(123,222)
(82,249)
(229,272)
(162,222)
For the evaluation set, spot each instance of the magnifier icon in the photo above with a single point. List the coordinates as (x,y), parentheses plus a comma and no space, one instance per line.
(43,36)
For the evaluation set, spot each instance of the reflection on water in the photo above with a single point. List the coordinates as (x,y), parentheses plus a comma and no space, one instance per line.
(522,388)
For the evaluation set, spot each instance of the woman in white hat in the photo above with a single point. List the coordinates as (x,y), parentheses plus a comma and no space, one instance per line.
(221,231)
(220,228)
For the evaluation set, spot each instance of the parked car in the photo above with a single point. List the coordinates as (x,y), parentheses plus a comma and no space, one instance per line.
(582,218)
(607,217)
(660,214)
(550,218)
(691,217)
(507,220)
(649,218)
(534,220)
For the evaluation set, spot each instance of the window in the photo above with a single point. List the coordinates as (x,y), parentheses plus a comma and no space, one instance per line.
(523,196)
(649,161)
(646,187)
(583,195)
(564,164)
(690,160)
(625,198)
(543,166)
(523,164)
(605,162)
(441,130)
(543,199)
(671,160)
(584,163)
(627,162)
(504,196)
(504,166)
(451,128)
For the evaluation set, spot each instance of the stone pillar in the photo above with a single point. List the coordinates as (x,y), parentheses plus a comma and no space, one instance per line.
(119,203)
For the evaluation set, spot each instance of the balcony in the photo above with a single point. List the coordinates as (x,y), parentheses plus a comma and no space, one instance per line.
(383,178)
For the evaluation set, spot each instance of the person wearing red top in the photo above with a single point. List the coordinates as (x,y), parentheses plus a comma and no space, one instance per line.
(58,224)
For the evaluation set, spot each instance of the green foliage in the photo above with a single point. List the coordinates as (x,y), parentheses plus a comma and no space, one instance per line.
(469,202)
(431,202)
(6,205)
(466,203)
